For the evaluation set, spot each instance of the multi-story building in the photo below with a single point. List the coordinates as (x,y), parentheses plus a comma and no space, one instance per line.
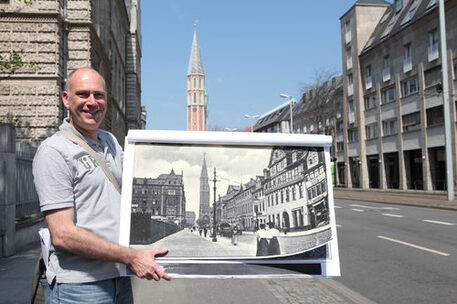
(162,197)
(276,120)
(197,98)
(393,99)
(59,37)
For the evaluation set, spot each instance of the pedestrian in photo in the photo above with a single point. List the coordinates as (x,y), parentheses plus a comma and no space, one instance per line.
(200,230)
(235,236)
(273,246)
(81,204)
(205,231)
(262,241)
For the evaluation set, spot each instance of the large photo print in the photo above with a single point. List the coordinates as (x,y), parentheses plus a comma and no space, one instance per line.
(214,203)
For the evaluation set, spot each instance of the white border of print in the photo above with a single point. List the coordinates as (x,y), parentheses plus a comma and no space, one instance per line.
(330,266)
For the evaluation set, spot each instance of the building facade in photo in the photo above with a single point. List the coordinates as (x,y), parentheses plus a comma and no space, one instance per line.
(393,98)
(197,99)
(59,37)
(162,198)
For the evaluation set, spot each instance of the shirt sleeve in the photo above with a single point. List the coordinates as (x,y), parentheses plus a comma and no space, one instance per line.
(53,179)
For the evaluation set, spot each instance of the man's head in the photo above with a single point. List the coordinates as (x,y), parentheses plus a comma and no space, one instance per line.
(85,98)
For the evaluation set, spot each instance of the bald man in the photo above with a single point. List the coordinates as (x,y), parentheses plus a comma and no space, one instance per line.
(82,207)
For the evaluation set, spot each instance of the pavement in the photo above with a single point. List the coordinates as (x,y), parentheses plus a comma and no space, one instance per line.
(16,271)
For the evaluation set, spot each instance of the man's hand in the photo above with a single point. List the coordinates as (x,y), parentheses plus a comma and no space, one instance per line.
(144,266)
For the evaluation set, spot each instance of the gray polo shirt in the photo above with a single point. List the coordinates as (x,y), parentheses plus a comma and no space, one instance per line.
(65,176)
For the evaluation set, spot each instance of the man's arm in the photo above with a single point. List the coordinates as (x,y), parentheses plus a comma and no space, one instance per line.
(66,235)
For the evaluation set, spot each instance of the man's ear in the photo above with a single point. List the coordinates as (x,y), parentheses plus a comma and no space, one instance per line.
(66,99)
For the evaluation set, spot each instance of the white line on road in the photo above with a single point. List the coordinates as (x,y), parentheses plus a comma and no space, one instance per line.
(392,215)
(438,222)
(370,207)
(358,210)
(337,207)
(338,226)
(414,246)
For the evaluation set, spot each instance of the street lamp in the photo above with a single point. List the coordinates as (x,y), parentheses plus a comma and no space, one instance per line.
(252,117)
(291,101)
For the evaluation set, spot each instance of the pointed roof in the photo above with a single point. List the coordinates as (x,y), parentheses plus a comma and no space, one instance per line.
(204,170)
(195,61)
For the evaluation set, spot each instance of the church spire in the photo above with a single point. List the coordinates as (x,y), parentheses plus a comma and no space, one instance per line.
(195,61)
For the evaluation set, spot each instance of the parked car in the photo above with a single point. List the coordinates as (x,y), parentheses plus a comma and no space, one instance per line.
(226,229)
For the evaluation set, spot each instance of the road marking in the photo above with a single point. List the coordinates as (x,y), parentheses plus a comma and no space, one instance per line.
(358,210)
(370,207)
(414,246)
(438,222)
(337,207)
(392,215)
(338,226)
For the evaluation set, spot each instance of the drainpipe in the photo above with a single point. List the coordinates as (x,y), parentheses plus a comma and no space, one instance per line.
(65,52)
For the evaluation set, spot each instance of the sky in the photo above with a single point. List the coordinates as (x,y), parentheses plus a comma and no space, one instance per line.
(252,51)
(234,165)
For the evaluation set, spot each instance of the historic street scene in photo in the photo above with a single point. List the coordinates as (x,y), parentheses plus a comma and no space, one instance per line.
(205,201)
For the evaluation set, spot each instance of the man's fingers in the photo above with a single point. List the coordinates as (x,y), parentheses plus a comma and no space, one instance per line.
(160,251)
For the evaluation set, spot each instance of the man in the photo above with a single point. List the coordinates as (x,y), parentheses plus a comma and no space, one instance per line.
(82,207)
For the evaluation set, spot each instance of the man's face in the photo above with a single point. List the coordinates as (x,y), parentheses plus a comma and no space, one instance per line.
(86,101)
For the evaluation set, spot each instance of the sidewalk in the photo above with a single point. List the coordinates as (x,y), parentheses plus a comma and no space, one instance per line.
(16,271)
(410,198)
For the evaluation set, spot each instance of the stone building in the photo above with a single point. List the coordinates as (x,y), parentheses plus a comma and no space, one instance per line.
(393,100)
(58,36)
(162,197)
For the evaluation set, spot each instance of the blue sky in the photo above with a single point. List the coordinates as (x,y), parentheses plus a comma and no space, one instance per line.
(252,51)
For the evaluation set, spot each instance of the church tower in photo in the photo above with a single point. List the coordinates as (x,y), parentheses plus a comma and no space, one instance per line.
(204,210)
(197,99)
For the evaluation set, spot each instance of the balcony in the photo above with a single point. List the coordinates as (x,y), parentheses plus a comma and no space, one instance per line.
(348,37)
(350,90)
(407,65)
(368,82)
(386,75)
(349,63)
(433,53)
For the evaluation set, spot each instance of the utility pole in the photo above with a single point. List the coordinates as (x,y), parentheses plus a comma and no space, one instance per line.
(447,115)
(214,209)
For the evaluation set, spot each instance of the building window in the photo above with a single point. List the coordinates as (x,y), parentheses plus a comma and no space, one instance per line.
(350,85)
(386,68)
(409,16)
(435,116)
(368,79)
(340,146)
(410,86)
(433,53)
(389,127)
(353,135)
(432,76)
(348,31)
(431,3)
(407,55)
(411,121)
(371,131)
(349,58)
(370,102)
(388,95)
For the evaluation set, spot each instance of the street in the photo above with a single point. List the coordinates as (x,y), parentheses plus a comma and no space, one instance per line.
(398,254)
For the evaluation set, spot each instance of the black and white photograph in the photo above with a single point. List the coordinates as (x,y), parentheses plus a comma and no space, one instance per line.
(225,202)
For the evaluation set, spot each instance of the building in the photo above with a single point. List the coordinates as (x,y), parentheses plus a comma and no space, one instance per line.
(276,120)
(197,99)
(190,218)
(163,198)
(393,99)
(204,212)
(320,111)
(59,37)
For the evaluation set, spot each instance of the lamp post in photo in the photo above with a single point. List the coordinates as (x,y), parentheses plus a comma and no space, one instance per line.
(252,117)
(291,102)
(214,209)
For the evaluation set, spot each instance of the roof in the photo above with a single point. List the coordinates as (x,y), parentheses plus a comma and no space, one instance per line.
(195,61)
(393,22)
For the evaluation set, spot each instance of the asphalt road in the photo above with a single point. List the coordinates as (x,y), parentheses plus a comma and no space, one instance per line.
(398,254)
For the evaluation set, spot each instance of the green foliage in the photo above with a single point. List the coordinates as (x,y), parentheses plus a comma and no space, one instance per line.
(13,61)
(9,118)
(26,2)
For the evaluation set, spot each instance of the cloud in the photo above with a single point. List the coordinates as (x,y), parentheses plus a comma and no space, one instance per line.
(234,165)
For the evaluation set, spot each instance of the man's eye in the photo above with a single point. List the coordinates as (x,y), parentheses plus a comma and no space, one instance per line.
(83,94)
(99,95)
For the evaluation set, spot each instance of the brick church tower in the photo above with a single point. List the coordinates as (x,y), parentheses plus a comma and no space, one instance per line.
(197,99)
